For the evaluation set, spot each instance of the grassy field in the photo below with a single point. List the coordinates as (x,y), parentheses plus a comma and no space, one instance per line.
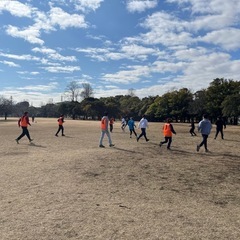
(59,188)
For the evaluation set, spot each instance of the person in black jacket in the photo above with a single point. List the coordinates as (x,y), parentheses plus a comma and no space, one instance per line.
(219,127)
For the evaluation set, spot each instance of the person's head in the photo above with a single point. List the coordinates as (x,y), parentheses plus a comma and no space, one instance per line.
(62,115)
(25,113)
(205,116)
(131,118)
(144,116)
(169,120)
(105,113)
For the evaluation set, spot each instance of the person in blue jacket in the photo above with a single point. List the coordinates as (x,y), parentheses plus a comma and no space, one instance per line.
(131,125)
(204,127)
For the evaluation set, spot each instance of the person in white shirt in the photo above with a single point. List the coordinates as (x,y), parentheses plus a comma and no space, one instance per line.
(143,124)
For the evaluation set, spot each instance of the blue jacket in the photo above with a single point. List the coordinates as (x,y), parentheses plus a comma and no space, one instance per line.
(205,126)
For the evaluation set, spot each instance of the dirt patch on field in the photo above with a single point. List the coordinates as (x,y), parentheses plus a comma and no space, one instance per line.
(68,188)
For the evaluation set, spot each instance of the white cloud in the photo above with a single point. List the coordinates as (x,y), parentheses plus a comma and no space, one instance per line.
(10,64)
(131,75)
(30,34)
(140,5)
(228,39)
(54,55)
(15,8)
(62,69)
(64,19)
(24,57)
(87,5)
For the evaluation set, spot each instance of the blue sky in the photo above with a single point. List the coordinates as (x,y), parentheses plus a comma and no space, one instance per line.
(151,46)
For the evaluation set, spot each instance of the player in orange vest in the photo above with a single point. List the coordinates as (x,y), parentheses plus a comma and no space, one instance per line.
(111,122)
(24,122)
(104,128)
(167,132)
(60,125)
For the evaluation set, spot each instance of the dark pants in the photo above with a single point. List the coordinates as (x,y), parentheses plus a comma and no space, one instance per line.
(143,133)
(167,140)
(132,131)
(60,128)
(217,131)
(192,132)
(204,141)
(24,132)
(111,127)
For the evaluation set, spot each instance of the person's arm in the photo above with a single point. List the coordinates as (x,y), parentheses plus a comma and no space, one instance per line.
(19,121)
(27,119)
(172,129)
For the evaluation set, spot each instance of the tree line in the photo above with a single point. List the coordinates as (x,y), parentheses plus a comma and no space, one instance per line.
(221,98)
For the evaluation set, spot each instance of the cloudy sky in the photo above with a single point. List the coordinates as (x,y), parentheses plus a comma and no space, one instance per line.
(151,46)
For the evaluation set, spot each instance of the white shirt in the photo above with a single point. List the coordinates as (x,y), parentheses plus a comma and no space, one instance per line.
(143,123)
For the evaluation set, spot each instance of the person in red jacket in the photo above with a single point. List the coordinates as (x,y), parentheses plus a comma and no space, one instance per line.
(60,125)
(24,122)
(168,130)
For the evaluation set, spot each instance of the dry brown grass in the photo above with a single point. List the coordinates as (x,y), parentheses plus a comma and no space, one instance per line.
(69,188)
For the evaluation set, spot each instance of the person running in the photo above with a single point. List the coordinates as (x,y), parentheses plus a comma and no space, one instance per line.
(111,122)
(60,125)
(143,124)
(192,132)
(219,127)
(204,127)
(104,130)
(131,125)
(24,122)
(168,130)
(123,124)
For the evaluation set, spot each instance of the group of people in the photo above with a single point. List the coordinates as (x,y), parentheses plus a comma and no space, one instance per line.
(204,127)
(23,122)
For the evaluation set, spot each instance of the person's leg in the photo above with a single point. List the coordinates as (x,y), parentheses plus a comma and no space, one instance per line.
(22,134)
(109,138)
(169,142)
(130,132)
(134,132)
(205,142)
(101,139)
(165,141)
(144,134)
(59,129)
(141,134)
(221,131)
(62,128)
(217,131)
(27,134)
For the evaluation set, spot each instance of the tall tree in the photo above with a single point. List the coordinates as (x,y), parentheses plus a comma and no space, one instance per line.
(73,91)
(87,91)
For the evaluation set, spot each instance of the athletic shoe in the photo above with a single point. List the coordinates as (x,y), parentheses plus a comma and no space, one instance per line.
(17,141)
(137,139)
(56,135)
(160,144)
(206,150)
(30,140)
(168,148)
(198,147)
(111,145)
(63,135)
(147,140)
(101,146)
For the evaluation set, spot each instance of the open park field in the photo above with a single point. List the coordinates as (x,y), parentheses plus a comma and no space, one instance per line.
(59,188)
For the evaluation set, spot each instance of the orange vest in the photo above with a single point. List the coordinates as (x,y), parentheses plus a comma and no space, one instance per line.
(24,121)
(60,121)
(167,130)
(104,122)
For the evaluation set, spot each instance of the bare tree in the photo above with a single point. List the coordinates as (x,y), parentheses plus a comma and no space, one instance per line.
(131,92)
(87,91)
(73,90)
